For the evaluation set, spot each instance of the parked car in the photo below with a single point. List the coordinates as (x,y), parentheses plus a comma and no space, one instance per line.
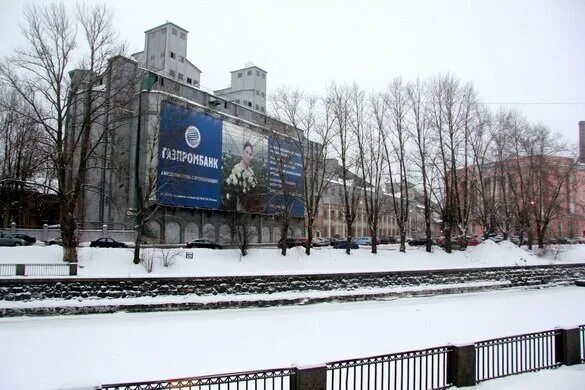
(203,243)
(417,241)
(107,243)
(363,240)
(343,245)
(54,241)
(7,239)
(387,240)
(28,239)
(336,239)
(291,242)
(320,241)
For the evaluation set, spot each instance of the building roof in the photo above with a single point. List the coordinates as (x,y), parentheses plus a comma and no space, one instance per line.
(249,67)
(164,25)
(200,71)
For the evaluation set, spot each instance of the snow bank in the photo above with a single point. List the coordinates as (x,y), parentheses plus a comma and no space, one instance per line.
(100,262)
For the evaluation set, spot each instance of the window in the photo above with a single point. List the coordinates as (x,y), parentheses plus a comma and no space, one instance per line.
(189,80)
(263,94)
(263,75)
(162,81)
(172,73)
(262,108)
(249,73)
(181,58)
(245,102)
(238,101)
(257,93)
(257,73)
(180,76)
(240,75)
(152,57)
(257,107)
(174,31)
(195,82)
(182,35)
(172,55)
(249,104)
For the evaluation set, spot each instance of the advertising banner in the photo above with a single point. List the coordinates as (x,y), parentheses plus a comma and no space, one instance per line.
(205,162)
(189,159)
(285,177)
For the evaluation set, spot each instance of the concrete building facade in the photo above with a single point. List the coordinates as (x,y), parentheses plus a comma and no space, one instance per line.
(128,148)
(247,88)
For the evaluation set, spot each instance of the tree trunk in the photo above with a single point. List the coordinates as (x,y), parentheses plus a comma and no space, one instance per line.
(448,240)
(429,246)
(68,227)
(309,239)
(349,238)
(374,240)
(402,240)
(284,236)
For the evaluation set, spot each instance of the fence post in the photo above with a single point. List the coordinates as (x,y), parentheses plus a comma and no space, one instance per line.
(567,348)
(13,227)
(45,232)
(20,269)
(461,365)
(73,269)
(310,378)
(104,230)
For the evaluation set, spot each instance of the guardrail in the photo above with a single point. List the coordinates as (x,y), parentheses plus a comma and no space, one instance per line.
(432,368)
(424,369)
(582,337)
(67,269)
(275,379)
(514,355)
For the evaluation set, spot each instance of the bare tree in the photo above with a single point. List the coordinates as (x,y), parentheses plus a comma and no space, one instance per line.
(483,185)
(38,73)
(450,114)
(395,150)
(340,101)
(312,122)
(421,134)
(369,124)
(21,153)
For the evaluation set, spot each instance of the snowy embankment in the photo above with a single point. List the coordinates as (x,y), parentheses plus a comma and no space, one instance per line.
(46,353)
(98,262)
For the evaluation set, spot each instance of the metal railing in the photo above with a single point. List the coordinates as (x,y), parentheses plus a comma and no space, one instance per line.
(7,269)
(516,354)
(582,337)
(275,379)
(424,369)
(38,269)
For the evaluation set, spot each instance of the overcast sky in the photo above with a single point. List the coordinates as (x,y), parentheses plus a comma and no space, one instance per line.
(525,53)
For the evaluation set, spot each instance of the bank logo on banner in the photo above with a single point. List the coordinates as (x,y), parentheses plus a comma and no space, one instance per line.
(192,136)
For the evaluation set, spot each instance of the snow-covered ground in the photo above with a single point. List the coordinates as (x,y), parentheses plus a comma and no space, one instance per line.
(99,262)
(46,353)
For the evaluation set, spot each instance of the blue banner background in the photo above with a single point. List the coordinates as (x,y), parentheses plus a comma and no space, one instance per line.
(189,177)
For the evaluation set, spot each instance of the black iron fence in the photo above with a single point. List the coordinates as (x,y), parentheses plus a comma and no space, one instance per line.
(68,269)
(433,368)
(275,379)
(424,369)
(582,338)
(514,355)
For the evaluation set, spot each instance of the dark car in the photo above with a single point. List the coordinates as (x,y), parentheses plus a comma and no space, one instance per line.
(291,242)
(107,243)
(343,245)
(28,239)
(7,239)
(203,243)
(387,240)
